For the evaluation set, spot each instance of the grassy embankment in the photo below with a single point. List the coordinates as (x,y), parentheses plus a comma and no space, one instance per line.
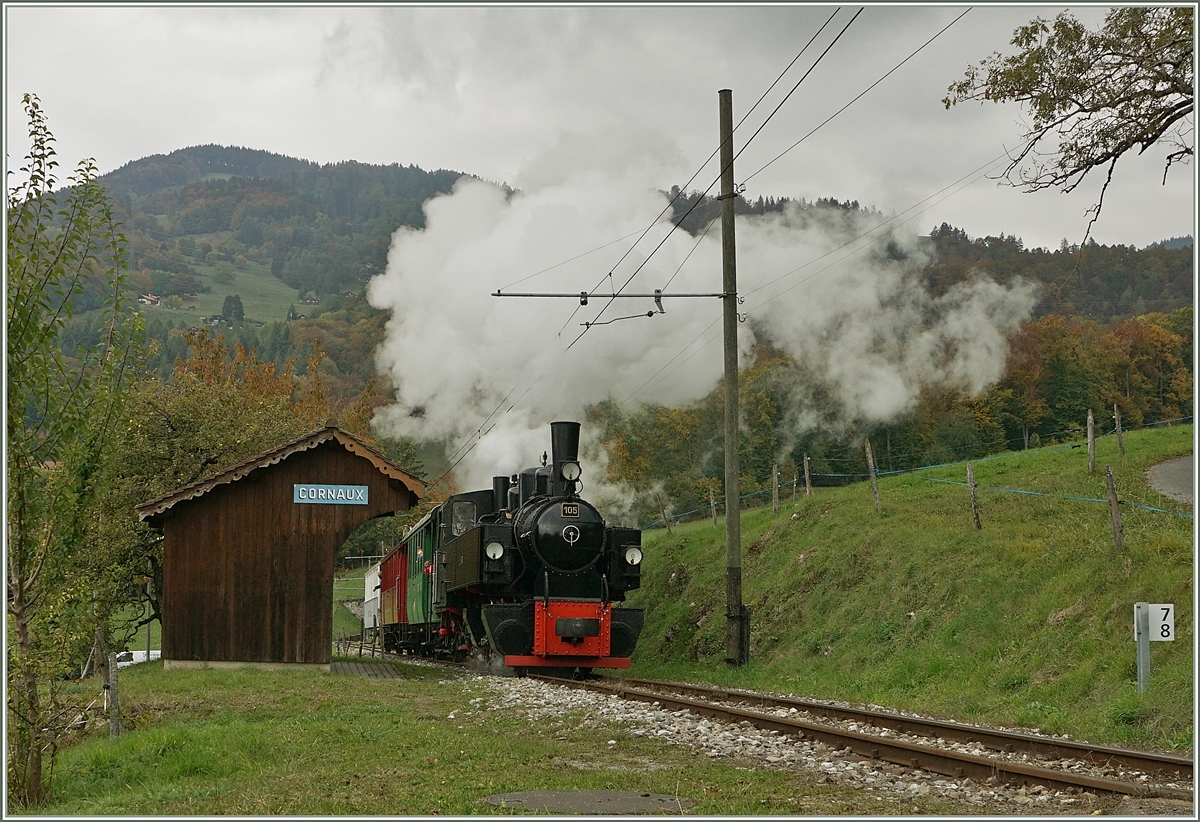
(1028,622)
(347,584)
(252,742)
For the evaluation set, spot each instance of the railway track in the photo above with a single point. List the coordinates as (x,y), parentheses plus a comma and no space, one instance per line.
(918,743)
(931,745)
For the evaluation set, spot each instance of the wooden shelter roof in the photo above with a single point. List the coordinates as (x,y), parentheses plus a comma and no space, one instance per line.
(331,431)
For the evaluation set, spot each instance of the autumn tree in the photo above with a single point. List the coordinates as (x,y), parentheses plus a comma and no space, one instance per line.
(61,413)
(1023,379)
(1092,96)
(1149,382)
(221,406)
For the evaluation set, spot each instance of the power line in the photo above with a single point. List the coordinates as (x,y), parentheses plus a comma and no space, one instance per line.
(683,189)
(802,79)
(861,95)
(573,259)
(717,179)
(480,433)
(983,168)
(745,145)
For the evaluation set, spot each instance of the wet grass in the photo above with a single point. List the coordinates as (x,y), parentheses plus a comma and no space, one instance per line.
(249,742)
(1027,622)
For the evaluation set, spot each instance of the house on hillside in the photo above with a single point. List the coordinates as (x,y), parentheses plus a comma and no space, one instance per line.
(148,299)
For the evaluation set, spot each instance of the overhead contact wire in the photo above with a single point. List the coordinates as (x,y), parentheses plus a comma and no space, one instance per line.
(972,173)
(700,199)
(861,94)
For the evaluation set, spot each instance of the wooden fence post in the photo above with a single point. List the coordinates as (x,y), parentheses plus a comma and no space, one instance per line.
(874,479)
(662,509)
(114,700)
(712,505)
(807,478)
(1091,435)
(774,489)
(1120,439)
(974,501)
(1113,510)
(795,485)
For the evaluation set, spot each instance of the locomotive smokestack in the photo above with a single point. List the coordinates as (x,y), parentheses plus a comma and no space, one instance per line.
(564,443)
(500,486)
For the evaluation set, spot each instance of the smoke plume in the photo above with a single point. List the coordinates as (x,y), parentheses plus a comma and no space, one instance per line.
(469,367)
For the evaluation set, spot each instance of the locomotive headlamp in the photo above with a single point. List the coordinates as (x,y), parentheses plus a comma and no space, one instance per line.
(633,555)
(571,471)
(494,550)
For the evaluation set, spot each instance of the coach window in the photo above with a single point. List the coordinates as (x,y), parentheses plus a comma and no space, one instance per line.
(463,518)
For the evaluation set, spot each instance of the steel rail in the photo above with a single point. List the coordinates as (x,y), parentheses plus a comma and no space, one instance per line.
(998,740)
(935,760)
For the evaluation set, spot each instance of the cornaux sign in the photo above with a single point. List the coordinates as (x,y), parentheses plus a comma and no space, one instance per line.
(330,494)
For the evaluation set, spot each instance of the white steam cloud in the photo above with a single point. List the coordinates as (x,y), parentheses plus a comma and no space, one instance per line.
(464,362)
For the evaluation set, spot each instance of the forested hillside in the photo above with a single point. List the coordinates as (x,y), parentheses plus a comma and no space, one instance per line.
(275,252)
(1104,283)
(1059,368)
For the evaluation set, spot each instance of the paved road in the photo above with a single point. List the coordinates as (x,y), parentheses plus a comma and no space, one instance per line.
(1175,479)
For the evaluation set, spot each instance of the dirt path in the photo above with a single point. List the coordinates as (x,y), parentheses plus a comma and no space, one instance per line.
(1175,479)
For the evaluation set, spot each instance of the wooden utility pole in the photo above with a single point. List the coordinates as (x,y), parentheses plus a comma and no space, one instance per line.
(737,623)
(114,698)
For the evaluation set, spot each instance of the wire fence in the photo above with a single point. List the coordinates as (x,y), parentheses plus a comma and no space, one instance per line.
(753,499)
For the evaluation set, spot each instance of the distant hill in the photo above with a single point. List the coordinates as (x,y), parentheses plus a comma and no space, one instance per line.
(296,241)
(323,229)
(1174,242)
(190,165)
(1105,283)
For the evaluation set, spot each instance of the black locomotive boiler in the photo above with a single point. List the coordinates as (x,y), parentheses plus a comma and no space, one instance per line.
(524,575)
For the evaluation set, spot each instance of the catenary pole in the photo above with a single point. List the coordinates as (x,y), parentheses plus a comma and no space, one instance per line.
(737,650)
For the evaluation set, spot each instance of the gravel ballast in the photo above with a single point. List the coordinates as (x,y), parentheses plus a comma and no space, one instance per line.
(543,703)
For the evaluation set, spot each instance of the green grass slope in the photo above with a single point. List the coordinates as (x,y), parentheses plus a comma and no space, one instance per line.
(348,583)
(1027,622)
(264,297)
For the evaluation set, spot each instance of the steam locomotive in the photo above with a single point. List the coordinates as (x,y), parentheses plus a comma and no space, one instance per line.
(525,575)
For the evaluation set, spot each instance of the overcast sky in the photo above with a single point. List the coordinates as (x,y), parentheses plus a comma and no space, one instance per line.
(496,91)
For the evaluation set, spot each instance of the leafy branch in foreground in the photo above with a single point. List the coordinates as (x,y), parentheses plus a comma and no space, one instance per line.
(1093,96)
(60,415)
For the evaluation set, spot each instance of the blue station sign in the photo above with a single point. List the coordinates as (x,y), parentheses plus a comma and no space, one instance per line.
(330,494)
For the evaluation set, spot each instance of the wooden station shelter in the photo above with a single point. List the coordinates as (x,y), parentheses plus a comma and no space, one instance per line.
(248,554)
